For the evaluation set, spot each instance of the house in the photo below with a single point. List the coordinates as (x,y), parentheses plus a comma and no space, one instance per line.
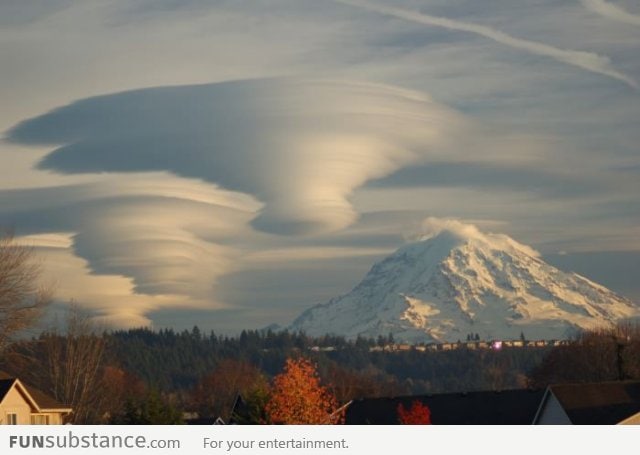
(633,420)
(24,405)
(602,403)
(507,407)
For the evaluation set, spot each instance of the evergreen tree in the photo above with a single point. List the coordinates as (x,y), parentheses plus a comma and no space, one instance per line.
(148,410)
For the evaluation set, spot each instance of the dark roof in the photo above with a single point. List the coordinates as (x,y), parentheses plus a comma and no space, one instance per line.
(508,407)
(602,403)
(44,400)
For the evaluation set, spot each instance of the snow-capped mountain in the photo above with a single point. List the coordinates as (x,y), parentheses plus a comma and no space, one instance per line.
(461,281)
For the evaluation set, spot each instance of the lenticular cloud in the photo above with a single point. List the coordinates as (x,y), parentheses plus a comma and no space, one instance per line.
(301,147)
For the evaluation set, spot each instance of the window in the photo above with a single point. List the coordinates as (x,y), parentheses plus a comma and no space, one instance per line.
(12,419)
(39,419)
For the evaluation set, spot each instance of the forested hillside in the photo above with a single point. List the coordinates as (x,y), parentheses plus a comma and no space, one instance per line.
(177,360)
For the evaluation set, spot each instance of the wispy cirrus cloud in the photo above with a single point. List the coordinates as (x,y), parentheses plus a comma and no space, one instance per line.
(589,61)
(611,11)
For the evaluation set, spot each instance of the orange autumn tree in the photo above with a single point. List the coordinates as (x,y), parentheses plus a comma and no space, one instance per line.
(417,414)
(298,398)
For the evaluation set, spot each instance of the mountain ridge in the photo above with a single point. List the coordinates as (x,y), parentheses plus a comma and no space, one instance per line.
(458,281)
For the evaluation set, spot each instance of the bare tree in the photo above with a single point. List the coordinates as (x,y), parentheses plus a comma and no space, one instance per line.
(605,354)
(70,362)
(22,299)
(73,363)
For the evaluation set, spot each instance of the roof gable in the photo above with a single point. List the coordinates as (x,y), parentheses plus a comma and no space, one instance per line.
(38,400)
(22,390)
(5,386)
(551,411)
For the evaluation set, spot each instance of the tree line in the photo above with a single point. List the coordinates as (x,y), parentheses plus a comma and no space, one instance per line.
(111,376)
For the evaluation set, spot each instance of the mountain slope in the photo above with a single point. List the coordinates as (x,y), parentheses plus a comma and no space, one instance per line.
(463,281)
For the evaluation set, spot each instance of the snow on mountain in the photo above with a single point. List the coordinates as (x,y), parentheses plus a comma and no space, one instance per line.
(460,281)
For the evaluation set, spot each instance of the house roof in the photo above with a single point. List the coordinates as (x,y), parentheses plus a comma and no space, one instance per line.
(507,407)
(45,401)
(41,399)
(601,403)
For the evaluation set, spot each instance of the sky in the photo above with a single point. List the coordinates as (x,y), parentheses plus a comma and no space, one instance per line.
(229,163)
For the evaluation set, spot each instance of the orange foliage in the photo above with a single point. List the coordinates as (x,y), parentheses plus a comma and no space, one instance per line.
(298,398)
(417,414)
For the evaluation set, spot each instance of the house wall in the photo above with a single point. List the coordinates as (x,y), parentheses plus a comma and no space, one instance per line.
(14,403)
(552,413)
(55,418)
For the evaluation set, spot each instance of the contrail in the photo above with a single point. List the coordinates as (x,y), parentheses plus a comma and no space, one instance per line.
(586,60)
(611,11)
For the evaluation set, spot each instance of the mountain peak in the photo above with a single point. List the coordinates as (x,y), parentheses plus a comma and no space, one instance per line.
(455,280)
(455,233)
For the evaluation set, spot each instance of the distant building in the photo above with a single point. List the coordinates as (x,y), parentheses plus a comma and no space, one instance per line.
(21,404)
(602,403)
